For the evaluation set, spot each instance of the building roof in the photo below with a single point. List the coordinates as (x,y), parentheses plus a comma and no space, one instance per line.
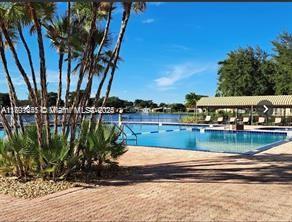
(244,101)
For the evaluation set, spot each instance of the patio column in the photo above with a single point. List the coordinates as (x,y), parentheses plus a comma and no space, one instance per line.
(196,113)
(284,121)
(251,115)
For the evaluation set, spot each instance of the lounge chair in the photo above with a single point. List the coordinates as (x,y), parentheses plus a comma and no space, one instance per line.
(261,120)
(245,120)
(220,119)
(207,119)
(278,121)
(232,120)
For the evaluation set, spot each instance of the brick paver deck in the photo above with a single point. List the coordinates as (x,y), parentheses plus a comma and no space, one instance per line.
(175,185)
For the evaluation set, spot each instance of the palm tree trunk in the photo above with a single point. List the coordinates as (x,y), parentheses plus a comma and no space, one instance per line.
(90,79)
(77,99)
(91,73)
(97,95)
(43,75)
(61,56)
(125,19)
(29,58)
(12,93)
(68,80)
(26,80)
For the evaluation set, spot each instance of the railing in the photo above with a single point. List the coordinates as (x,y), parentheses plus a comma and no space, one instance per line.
(133,133)
(124,135)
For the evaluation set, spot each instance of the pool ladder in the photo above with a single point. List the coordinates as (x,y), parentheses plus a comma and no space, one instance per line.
(124,135)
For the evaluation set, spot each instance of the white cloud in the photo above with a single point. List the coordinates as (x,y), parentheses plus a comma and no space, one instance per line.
(148,21)
(177,73)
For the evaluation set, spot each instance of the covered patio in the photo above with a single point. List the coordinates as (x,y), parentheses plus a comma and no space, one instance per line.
(281,105)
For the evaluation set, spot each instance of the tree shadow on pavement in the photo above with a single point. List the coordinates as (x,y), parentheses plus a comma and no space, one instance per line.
(240,169)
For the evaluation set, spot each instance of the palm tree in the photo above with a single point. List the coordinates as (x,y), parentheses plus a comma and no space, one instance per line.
(108,60)
(43,75)
(5,26)
(57,33)
(88,50)
(137,7)
(102,43)
(79,37)
(68,76)
(9,14)
(17,13)
(12,93)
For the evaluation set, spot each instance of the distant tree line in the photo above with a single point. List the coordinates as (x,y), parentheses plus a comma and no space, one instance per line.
(252,71)
(112,101)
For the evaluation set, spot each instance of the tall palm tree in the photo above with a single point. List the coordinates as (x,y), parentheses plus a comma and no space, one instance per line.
(8,13)
(108,9)
(68,76)
(109,62)
(43,75)
(23,73)
(57,33)
(5,24)
(17,13)
(137,7)
(80,39)
(84,59)
(12,92)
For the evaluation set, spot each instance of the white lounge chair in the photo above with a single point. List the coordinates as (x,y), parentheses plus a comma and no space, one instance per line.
(245,120)
(261,120)
(232,120)
(207,119)
(278,121)
(220,119)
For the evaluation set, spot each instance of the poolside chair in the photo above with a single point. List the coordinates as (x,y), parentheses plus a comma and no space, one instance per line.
(261,120)
(232,120)
(278,121)
(207,119)
(220,119)
(245,120)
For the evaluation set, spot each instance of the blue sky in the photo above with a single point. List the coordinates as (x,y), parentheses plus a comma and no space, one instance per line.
(173,48)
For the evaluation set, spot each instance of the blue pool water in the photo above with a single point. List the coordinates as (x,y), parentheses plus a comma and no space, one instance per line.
(209,140)
(192,138)
(139,128)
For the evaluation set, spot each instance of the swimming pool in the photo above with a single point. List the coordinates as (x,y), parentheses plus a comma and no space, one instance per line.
(197,137)
(194,138)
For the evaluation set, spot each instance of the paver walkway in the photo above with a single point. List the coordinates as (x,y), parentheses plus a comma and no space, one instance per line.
(175,185)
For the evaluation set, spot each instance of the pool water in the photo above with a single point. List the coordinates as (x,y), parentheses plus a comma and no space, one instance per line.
(140,128)
(196,138)
(205,140)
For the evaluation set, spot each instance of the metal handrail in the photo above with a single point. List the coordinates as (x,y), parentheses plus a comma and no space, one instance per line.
(125,137)
(122,132)
(133,133)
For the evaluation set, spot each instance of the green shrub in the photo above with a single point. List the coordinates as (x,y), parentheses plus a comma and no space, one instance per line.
(21,156)
(102,146)
(190,119)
